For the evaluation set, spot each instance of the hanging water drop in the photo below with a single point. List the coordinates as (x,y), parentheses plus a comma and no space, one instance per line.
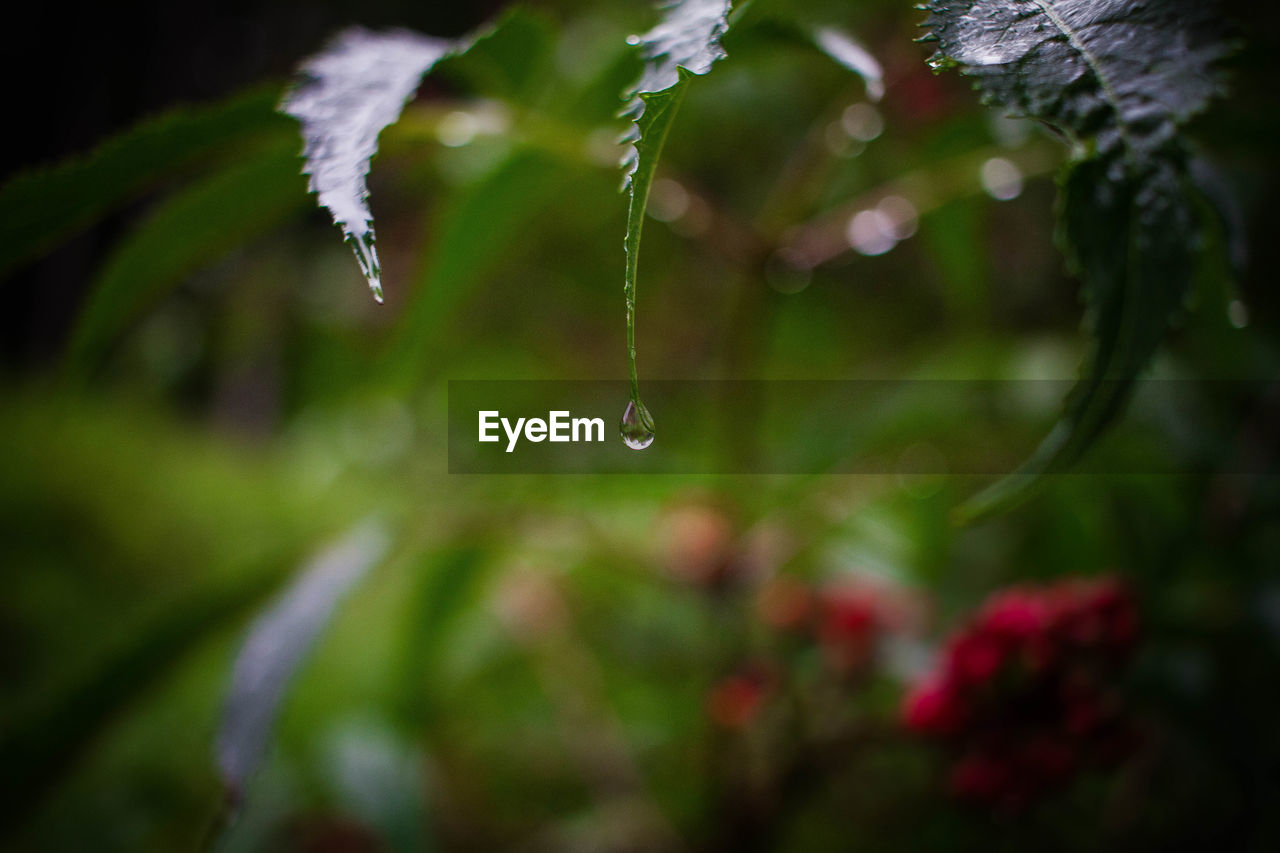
(637,425)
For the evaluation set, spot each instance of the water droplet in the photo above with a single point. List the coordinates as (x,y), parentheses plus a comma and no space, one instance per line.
(840,143)
(457,129)
(668,200)
(1001,178)
(901,213)
(637,425)
(367,256)
(862,122)
(871,232)
(633,40)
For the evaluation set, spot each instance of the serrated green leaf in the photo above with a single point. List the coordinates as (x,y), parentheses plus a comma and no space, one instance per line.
(359,85)
(41,207)
(1118,79)
(194,228)
(1118,75)
(686,40)
(354,88)
(684,44)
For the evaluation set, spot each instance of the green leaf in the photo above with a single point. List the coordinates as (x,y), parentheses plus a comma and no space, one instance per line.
(359,85)
(451,582)
(190,230)
(1118,79)
(356,87)
(279,642)
(41,207)
(686,43)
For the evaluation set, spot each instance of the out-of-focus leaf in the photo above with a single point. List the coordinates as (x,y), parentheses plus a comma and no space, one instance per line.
(469,240)
(514,60)
(39,747)
(160,497)
(450,582)
(192,229)
(357,86)
(277,644)
(684,44)
(844,49)
(43,206)
(803,26)
(1215,186)
(1119,79)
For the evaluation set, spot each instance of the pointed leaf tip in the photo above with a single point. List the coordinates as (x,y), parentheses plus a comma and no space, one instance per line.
(1119,80)
(277,645)
(354,88)
(845,50)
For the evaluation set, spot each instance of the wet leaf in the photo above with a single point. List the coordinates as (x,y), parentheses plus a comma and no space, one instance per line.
(277,644)
(1119,80)
(684,44)
(356,87)
(687,39)
(359,85)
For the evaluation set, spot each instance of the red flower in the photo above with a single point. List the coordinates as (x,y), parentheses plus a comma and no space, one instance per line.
(1026,692)
(974,658)
(848,621)
(932,708)
(1016,615)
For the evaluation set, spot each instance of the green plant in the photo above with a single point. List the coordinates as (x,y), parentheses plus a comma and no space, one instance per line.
(641,615)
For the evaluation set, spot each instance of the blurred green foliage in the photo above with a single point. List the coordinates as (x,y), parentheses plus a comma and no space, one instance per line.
(536,664)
